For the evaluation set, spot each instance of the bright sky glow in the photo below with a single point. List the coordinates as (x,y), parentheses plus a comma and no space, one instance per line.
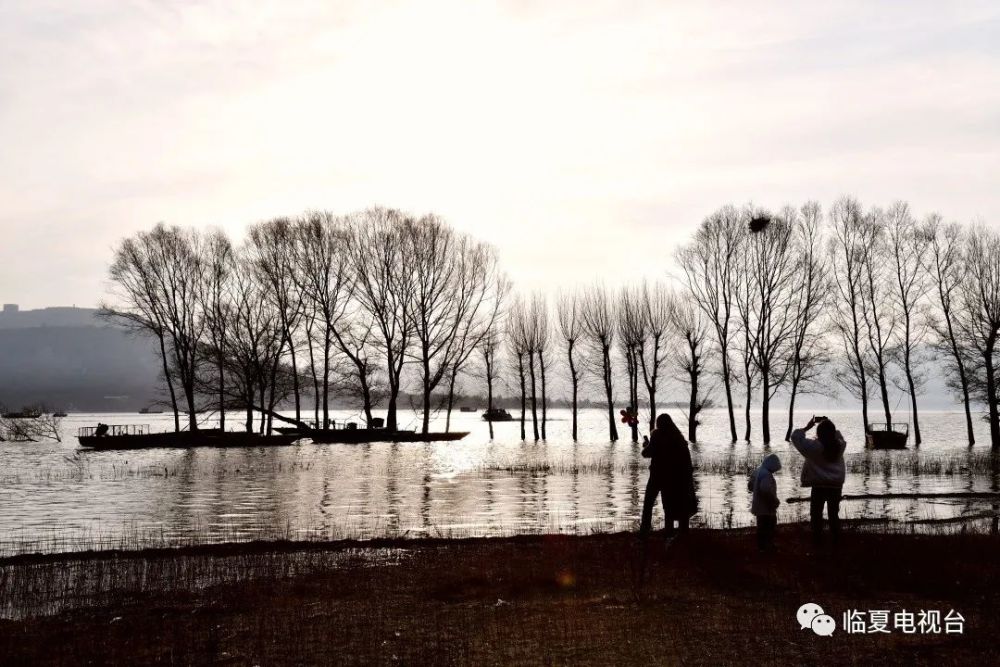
(583,139)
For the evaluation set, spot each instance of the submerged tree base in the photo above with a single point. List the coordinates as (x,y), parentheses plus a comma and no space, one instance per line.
(708,598)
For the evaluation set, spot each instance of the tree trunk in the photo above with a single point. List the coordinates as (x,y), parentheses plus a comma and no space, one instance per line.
(451,403)
(534,402)
(609,395)
(222,397)
(170,385)
(991,396)
(791,406)
(727,383)
(765,410)
(489,400)
(963,379)
(295,380)
(693,408)
(541,368)
(366,396)
(884,392)
(575,381)
(913,400)
(426,397)
(326,378)
(520,372)
(746,408)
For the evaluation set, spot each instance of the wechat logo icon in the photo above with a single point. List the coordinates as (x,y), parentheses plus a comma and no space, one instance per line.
(811,615)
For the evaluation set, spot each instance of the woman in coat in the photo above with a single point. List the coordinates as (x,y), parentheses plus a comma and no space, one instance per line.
(671,476)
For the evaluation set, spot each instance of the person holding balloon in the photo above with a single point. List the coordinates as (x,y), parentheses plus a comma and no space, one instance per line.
(671,477)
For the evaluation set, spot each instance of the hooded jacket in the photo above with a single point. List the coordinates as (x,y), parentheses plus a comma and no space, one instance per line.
(764,490)
(818,470)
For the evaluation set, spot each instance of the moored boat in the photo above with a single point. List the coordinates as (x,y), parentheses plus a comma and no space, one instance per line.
(497,415)
(887,436)
(138,436)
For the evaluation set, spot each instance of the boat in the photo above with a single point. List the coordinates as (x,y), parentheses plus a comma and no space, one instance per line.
(887,436)
(138,436)
(362,435)
(24,413)
(60,414)
(349,433)
(466,408)
(497,415)
(150,411)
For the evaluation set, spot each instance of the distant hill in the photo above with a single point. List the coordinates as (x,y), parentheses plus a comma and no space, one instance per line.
(69,359)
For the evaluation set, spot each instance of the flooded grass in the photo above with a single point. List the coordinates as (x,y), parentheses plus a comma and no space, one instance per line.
(868,463)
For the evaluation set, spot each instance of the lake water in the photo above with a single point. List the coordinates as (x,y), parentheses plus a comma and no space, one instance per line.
(54,496)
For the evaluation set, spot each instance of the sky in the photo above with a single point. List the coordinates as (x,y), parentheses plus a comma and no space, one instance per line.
(584,139)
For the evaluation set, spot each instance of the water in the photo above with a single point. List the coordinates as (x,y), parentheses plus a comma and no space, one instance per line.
(55,496)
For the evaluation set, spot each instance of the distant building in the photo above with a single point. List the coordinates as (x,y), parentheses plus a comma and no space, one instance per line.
(10,308)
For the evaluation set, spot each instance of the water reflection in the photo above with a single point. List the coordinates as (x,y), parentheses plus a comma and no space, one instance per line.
(472,487)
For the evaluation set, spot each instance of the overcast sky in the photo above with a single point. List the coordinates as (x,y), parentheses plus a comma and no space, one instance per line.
(583,141)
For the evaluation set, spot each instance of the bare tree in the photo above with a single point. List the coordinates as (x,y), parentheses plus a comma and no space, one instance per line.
(771,269)
(326,283)
(570,319)
(848,261)
(384,288)
(878,307)
(541,339)
(809,351)
(658,312)
(218,264)
(482,293)
(979,318)
(255,342)
(632,333)
(599,315)
(176,269)
(946,266)
(137,302)
(34,423)
(710,264)
(688,360)
(909,246)
(517,340)
(489,347)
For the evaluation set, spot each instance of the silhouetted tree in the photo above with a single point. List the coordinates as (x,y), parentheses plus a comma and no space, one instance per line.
(570,320)
(945,263)
(809,351)
(909,246)
(599,315)
(384,287)
(710,263)
(848,261)
(489,347)
(979,318)
(658,305)
(689,361)
(327,285)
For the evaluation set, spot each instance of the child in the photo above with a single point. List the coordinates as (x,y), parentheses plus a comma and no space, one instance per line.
(764,504)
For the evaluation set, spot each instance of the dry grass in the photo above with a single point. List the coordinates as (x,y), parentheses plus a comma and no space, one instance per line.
(608,599)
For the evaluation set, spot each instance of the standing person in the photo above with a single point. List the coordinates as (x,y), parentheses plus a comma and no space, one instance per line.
(823,471)
(671,476)
(764,500)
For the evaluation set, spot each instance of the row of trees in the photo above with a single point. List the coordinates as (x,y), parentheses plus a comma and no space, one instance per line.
(860,298)
(320,305)
(761,304)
